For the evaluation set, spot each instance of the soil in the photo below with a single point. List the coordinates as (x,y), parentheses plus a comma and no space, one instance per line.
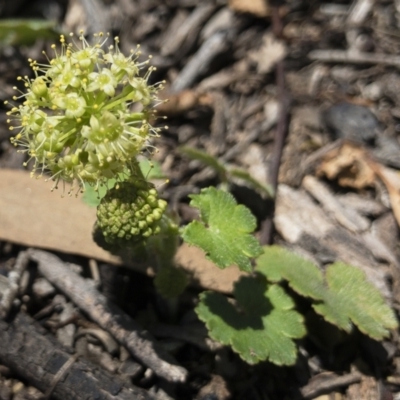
(302,95)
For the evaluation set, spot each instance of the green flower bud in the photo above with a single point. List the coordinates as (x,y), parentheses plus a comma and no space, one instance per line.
(122,221)
(39,88)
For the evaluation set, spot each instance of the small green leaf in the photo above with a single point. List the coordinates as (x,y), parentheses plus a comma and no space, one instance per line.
(277,263)
(224,232)
(151,169)
(25,31)
(205,158)
(93,197)
(342,297)
(251,181)
(226,173)
(357,298)
(259,327)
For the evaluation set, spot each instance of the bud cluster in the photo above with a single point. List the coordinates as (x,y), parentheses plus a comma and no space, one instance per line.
(130,212)
(76,119)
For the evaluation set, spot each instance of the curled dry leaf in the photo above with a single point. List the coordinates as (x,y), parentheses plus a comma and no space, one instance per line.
(349,165)
(353,167)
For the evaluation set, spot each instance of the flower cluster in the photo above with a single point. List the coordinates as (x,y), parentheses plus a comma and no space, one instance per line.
(130,212)
(76,120)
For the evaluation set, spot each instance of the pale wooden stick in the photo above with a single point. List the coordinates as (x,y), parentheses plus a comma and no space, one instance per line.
(354,57)
(329,384)
(359,11)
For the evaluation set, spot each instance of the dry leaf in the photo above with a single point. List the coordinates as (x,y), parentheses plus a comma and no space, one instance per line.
(257,7)
(349,165)
(352,166)
(33,216)
(270,52)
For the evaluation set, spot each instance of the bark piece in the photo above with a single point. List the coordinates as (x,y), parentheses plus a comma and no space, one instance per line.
(215,45)
(364,206)
(347,217)
(180,37)
(30,351)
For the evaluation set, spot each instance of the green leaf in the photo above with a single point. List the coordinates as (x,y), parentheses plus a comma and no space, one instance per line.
(225,173)
(357,298)
(251,181)
(92,197)
(277,263)
(205,158)
(343,296)
(224,232)
(259,327)
(151,169)
(26,31)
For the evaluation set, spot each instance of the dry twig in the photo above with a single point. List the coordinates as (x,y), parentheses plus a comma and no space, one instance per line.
(108,316)
(359,11)
(354,57)
(173,42)
(318,387)
(282,126)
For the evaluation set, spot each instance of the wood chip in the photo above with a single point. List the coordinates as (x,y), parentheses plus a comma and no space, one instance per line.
(347,217)
(257,7)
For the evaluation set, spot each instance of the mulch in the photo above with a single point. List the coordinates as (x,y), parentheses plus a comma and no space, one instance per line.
(305,96)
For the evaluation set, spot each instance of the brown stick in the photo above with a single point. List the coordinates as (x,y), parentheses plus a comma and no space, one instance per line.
(354,57)
(109,316)
(281,129)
